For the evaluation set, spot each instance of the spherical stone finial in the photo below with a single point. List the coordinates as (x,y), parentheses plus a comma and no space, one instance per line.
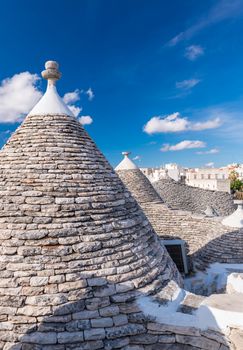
(51,65)
(126,154)
(51,73)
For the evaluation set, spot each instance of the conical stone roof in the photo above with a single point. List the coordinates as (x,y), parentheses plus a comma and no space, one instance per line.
(207,240)
(136,181)
(76,249)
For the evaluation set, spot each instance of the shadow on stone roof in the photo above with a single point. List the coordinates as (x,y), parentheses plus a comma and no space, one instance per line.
(226,248)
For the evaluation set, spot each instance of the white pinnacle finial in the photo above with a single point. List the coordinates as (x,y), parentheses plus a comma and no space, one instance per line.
(126,154)
(51,102)
(51,73)
(126,163)
(235,219)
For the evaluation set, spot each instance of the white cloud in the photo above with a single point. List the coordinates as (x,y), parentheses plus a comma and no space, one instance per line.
(187,84)
(18,95)
(209,124)
(171,123)
(176,123)
(211,151)
(209,165)
(137,158)
(186,144)
(174,41)
(86,120)
(71,97)
(74,96)
(193,52)
(75,109)
(222,10)
(90,94)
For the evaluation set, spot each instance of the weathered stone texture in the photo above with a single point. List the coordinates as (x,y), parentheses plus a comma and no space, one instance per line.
(75,246)
(183,197)
(76,250)
(207,240)
(142,189)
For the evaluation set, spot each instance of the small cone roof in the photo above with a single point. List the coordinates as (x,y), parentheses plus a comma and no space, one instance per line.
(136,182)
(126,163)
(236,218)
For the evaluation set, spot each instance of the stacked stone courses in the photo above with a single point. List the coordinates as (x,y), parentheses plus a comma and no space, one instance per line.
(207,240)
(139,185)
(75,246)
(77,252)
(183,197)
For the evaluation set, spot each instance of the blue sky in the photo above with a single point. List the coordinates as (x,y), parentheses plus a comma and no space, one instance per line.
(166,75)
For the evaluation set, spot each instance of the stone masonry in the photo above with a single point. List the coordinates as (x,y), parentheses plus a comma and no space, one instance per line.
(207,239)
(75,246)
(76,250)
(182,197)
(140,186)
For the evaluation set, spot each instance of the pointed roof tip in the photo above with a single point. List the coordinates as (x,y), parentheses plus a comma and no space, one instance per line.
(126,153)
(236,218)
(126,163)
(51,102)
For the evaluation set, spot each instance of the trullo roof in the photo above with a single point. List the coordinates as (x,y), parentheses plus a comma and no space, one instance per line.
(76,249)
(136,182)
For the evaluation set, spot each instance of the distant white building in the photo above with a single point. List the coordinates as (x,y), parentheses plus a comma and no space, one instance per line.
(173,170)
(238,168)
(154,174)
(216,179)
(239,171)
